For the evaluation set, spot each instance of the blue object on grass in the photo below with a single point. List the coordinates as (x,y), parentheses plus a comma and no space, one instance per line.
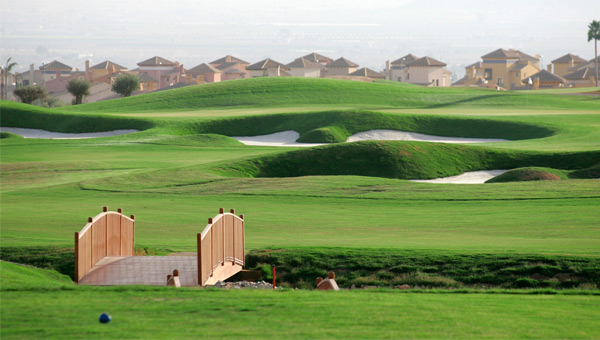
(104,318)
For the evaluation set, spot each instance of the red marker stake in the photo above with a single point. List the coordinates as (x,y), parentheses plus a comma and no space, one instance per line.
(274,277)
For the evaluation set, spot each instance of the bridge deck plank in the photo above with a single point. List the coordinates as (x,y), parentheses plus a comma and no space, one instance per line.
(142,270)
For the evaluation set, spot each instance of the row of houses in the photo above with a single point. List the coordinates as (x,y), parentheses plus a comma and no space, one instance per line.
(515,70)
(502,69)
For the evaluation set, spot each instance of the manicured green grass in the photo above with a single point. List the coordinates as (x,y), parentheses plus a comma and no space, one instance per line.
(286,91)
(42,304)
(176,173)
(565,90)
(404,160)
(33,117)
(20,277)
(168,313)
(550,218)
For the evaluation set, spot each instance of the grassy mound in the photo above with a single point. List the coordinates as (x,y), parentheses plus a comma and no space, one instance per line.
(591,172)
(5,135)
(403,160)
(19,277)
(337,126)
(33,117)
(330,134)
(60,259)
(289,91)
(530,174)
(212,140)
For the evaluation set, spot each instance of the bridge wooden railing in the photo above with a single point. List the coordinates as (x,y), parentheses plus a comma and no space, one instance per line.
(110,233)
(221,248)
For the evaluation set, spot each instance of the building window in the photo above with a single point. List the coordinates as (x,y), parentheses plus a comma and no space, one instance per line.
(437,82)
(500,81)
(408,76)
(399,78)
(487,75)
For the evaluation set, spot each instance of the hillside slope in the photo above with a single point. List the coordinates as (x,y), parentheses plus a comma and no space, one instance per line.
(287,91)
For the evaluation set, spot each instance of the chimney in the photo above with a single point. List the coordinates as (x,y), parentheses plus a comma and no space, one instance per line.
(549,67)
(388,65)
(87,70)
(31,75)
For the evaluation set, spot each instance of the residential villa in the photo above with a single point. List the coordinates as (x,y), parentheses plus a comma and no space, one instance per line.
(367,73)
(147,82)
(583,75)
(205,73)
(318,58)
(231,67)
(166,72)
(427,71)
(502,69)
(340,67)
(103,71)
(424,71)
(395,70)
(303,67)
(563,65)
(31,77)
(267,68)
(543,80)
(55,69)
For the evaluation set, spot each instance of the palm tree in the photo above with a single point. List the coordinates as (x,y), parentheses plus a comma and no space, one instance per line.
(5,70)
(594,33)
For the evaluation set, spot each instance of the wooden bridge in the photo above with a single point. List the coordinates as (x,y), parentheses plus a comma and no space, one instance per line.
(104,253)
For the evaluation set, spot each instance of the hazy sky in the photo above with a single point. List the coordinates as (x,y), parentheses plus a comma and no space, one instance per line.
(366,32)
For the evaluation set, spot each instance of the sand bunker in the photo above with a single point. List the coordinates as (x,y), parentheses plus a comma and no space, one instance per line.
(471,177)
(288,138)
(35,133)
(413,136)
(285,138)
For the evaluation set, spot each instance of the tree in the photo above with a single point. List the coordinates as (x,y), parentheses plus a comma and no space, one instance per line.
(5,70)
(594,33)
(79,88)
(125,84)
(30,93)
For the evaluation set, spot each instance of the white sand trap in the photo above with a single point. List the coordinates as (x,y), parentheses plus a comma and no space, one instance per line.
(285,138)
(413,136)
(35,133)
(288,138)
(471,177)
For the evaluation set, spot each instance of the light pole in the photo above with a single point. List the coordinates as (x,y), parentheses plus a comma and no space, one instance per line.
(529,83)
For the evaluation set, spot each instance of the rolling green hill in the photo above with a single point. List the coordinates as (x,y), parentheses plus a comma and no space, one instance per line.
(403,160)
(291,91)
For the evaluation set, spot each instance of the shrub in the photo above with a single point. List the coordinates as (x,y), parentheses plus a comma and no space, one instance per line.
(526,283)
(28,94)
